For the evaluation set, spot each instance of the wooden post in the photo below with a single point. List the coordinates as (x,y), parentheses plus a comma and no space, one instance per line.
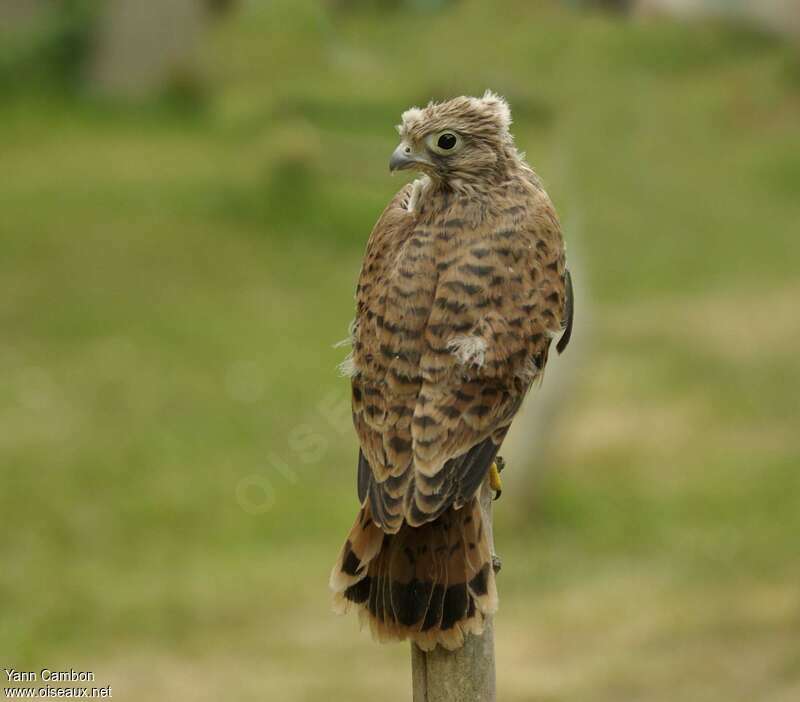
(467,674)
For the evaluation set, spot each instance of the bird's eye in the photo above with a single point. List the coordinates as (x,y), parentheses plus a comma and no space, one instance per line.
(444,143)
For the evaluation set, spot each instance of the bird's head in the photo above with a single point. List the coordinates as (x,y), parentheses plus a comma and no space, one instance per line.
(465,139)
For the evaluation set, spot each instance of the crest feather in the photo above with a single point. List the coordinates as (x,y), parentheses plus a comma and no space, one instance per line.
(500,106)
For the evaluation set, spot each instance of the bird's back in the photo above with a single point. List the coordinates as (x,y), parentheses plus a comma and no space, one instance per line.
(457,302)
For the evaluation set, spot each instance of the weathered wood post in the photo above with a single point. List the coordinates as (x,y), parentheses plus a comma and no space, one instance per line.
(467,674)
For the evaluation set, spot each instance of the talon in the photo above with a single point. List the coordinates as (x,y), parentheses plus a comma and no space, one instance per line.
(494,478)
(500,462)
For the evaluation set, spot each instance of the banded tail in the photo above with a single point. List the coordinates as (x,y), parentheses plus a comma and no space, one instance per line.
(431,584)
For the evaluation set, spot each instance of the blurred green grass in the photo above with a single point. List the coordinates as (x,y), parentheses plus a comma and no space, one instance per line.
(173,281)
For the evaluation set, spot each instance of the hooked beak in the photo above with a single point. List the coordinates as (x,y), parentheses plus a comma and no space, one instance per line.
(404,157)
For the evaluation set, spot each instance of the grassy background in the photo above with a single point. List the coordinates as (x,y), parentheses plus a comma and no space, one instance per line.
(172,278)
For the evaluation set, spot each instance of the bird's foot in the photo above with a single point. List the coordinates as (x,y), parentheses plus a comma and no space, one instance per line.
(494,476)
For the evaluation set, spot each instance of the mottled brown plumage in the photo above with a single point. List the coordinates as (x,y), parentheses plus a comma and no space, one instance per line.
(462,289)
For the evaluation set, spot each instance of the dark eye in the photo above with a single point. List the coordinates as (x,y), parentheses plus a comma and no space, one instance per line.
(446,141)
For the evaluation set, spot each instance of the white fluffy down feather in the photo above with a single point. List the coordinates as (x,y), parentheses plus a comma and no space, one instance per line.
(469,350)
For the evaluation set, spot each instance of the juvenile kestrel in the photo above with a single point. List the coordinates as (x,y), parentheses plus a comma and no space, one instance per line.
(462,289)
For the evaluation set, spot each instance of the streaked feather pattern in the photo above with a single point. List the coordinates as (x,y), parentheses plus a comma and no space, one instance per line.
(462,289)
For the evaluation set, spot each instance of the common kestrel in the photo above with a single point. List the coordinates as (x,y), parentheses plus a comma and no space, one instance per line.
(462,289)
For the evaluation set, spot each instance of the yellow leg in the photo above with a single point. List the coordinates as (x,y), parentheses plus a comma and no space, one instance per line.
(494,479)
